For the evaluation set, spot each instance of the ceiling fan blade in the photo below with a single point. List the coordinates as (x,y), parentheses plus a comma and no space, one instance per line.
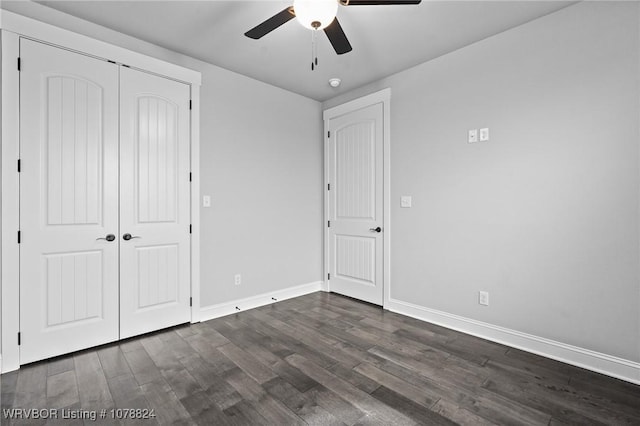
(378,2)
(337,37)
(271,24)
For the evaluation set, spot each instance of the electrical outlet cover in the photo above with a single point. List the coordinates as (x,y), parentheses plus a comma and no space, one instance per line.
(484,134)
(473,136)
(483,298)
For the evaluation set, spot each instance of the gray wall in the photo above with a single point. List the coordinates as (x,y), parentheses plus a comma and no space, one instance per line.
(261,162)
(544,216)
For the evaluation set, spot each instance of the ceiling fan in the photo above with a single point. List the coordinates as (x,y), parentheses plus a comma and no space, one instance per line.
(319,15)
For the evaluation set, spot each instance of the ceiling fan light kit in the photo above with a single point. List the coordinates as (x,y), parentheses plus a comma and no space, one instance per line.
(315,14)
(319,15)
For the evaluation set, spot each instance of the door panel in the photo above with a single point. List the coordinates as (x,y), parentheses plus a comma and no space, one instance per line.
(355,204)
(73,285)
(157,159)
(355,180)
(356,259)
(154,208)
(73,149)
(69,198)
(158,275)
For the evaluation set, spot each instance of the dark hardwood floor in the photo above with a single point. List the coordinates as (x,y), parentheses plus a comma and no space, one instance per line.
(319,359)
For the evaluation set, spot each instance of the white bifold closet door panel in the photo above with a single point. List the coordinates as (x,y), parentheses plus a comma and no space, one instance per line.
(68,201)
(154,203)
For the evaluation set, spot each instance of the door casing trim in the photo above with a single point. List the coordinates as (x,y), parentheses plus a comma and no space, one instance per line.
(380,97)
(14,26)
(10,253)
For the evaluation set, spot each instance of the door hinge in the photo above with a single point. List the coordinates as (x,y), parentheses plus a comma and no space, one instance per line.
(328,224)
(18,63)
(329,276)
(19,339)
(19,164)
(329,133)
(110,61)
(190,104)
(190,177)
(18,237)
(328,187)
(190,228)
(191,301)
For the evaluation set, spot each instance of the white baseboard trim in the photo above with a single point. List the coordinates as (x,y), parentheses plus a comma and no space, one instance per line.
(227,308)
(591,360)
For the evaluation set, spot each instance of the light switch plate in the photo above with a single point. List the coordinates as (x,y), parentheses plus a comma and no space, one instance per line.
(206,201)
(405,201)
(484,134)
(473,136)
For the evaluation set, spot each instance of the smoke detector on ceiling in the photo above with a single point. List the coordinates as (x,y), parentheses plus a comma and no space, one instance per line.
(334,82)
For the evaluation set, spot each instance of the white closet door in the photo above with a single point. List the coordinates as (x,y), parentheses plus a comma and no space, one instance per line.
(154,203)
(69,199)
(356,203)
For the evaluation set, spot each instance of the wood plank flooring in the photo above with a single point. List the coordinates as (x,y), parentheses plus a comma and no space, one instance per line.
(320,359)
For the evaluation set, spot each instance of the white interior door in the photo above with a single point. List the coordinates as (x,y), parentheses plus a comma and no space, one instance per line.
(68,201)
(356,204)
(154,203)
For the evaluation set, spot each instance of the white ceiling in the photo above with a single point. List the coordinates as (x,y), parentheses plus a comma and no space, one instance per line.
(385,39)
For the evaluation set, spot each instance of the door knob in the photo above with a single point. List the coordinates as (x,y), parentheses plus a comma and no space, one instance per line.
(128,237)
(109,237)
(378,229)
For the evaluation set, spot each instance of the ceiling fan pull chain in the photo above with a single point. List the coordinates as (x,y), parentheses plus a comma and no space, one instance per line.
(314,50)
(313,38)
